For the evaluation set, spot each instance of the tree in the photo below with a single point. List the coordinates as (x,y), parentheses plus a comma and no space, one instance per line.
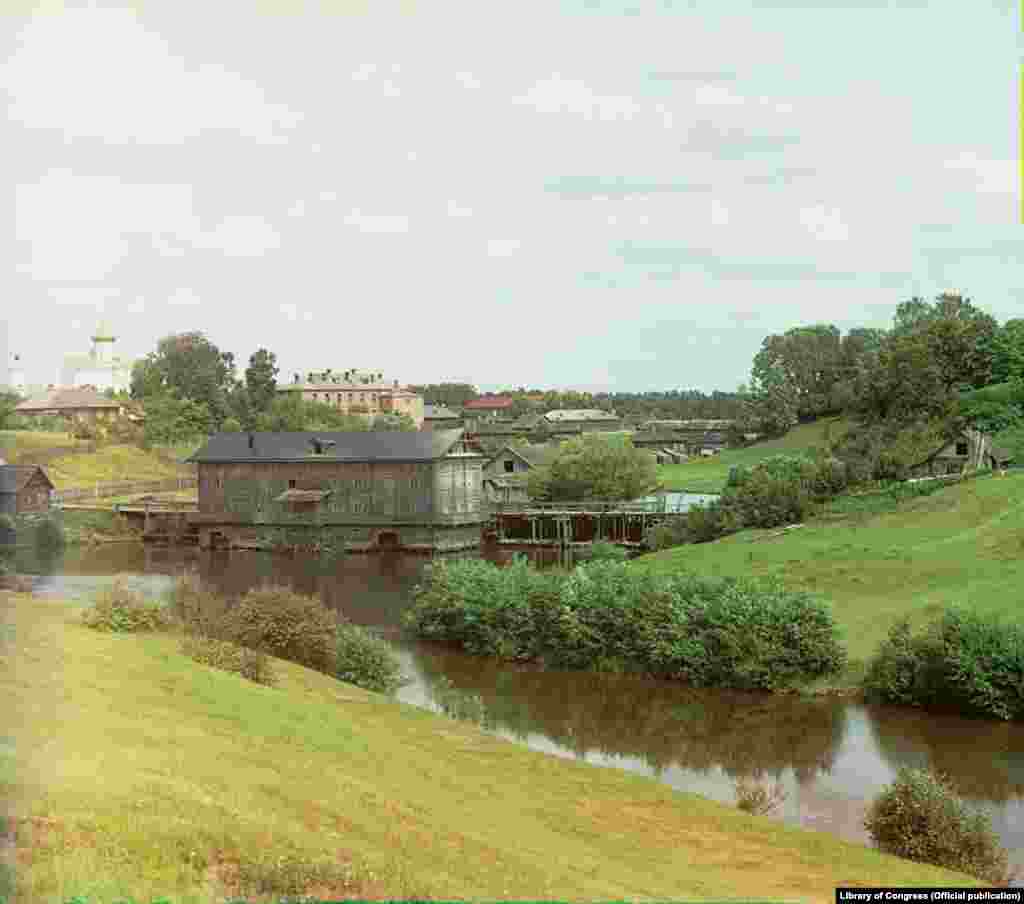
(400,421)
(1008,357)
(173,420)
(961,339)
(594,466)
(261,379)
(187,366)
(8,402)
(452,395)
(772,405)
(809,358)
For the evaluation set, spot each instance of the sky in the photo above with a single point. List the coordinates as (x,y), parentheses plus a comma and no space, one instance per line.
(598,195)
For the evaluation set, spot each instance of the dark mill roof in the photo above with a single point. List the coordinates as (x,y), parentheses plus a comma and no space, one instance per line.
(14,477)
(375,445)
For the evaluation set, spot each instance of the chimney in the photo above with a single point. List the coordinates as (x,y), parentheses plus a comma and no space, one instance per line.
(252,442)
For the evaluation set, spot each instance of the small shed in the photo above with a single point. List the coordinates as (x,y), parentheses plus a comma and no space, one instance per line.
(24,489)
(971,449)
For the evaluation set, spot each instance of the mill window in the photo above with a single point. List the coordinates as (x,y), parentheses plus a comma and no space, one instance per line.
(291,484)
(961,448)
(510,466)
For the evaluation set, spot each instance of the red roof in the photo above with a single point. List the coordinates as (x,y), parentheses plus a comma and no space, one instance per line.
(489,403)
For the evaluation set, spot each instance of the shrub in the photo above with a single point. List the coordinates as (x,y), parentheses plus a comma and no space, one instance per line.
(229,657)
(119,608)
(707,633)
(49,534)
(197,610)
(961,660)
(8,530)
(284,624)
(757,799)
(603,551)
(919,817)
(366,660)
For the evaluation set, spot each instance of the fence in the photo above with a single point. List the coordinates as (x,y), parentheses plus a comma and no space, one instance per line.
(123,488)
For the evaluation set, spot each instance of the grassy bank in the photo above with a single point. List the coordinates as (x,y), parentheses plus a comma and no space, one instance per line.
(139,772)
(708,475)
(960,545)
(77,463)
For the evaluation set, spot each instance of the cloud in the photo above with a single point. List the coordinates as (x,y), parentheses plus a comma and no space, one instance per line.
(502,247)
(240,236)
(696,76)
(594,187)
(716,95)
(564,95)
(119,81)
(990,176)
(377,223)
(184,298)
(456,211)
(824,224)
(726,143)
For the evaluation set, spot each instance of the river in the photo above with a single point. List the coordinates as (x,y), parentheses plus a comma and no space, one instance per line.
(831,756)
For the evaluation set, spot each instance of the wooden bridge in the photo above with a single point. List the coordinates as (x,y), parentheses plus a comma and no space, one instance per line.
(567,523)
(161,519)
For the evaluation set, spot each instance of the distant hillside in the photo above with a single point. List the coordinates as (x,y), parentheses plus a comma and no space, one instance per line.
(961,545)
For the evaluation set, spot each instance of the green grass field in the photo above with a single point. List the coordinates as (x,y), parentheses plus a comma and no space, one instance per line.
(137,772)
(962,544)
(708,475)
(70,463)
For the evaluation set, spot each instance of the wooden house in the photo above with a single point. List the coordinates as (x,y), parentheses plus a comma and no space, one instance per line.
(972,449)
(504,473)
(24,489)
(437,417)
(360,491)
(583,420)
(80,404)
(668,447)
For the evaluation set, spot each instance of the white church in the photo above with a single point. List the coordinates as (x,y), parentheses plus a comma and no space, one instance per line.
(99,367)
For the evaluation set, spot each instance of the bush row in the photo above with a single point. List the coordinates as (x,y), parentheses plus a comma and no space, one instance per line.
(238,635)
(961,661)
(707,633)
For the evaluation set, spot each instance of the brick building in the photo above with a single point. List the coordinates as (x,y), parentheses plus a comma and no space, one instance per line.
(357,392)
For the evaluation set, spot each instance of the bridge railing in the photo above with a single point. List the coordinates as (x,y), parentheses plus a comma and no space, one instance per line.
(594,507)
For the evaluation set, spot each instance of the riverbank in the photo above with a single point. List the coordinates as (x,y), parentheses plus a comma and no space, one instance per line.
(959,545)
(171,777)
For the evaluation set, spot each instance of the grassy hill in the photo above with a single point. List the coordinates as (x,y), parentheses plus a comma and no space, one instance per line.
(708,475)
(77,463)
(140,773)
(961,545)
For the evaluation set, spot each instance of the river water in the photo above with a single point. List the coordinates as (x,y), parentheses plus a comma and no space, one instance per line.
(831,756)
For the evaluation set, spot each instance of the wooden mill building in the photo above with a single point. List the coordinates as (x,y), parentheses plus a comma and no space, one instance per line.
(357,491)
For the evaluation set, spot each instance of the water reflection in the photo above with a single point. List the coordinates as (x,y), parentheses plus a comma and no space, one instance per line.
(831,756)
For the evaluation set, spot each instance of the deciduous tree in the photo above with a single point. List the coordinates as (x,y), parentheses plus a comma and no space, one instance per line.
(594,466)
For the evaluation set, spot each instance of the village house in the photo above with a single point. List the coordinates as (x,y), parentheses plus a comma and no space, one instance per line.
(24,489)
(667,446)
(360,392)
(437,417)
(358,491)
(504,473)
(487,406)
(585,420)
(972,449)
(79,404)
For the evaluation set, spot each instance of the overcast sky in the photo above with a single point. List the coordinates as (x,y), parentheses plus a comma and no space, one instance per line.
(590,194)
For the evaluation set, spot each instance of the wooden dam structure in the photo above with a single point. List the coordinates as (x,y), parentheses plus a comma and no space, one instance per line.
(571,523)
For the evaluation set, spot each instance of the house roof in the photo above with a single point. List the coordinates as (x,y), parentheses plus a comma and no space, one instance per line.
(14,478)
(438,411)
(56,399)
(488,403)
(373,445)
(534,454)
(581,414)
